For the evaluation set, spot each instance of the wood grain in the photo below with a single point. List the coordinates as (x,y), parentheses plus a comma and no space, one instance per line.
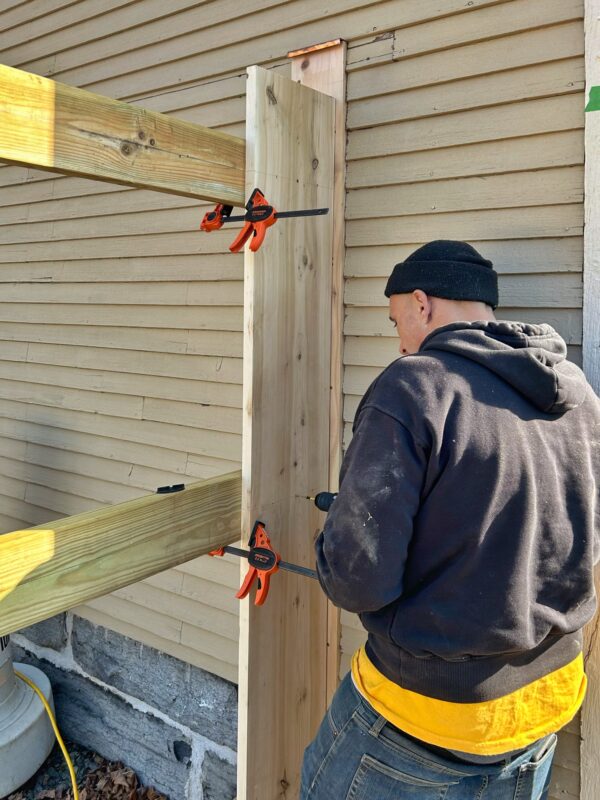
(325,71)
(56,566)
(53,126)
(283,644)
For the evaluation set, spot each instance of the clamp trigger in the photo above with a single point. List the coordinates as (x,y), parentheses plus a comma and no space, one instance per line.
(263,561)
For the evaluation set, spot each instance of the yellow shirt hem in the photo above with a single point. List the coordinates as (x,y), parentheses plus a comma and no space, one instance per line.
(488,728)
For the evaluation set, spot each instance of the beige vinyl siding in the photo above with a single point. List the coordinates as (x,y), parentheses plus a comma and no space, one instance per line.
(121,349)
(121,372)
(467,128)
(121,324)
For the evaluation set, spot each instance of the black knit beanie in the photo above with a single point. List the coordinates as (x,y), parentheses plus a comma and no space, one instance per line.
(452,270)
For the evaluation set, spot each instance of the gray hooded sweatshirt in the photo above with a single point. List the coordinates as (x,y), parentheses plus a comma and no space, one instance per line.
(468,520)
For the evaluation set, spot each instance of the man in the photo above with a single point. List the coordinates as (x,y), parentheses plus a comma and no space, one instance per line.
(464,534)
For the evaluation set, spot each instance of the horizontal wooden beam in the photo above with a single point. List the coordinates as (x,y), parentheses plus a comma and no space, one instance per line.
(54,567)
(52,126)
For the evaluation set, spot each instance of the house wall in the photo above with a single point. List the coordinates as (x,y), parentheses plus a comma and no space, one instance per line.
(174,724)
(121,332)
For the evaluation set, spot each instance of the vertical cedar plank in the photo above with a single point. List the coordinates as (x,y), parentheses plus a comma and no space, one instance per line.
(287,323)
(590,715)
(325,71)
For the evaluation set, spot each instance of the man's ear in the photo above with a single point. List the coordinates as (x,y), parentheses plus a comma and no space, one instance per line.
(425,306)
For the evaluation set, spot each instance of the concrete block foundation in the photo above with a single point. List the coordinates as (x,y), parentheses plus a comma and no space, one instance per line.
(173,723)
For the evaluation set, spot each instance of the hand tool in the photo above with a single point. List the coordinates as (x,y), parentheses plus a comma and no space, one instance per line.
(213,220)
(263,561)
(258,217)
(323,500)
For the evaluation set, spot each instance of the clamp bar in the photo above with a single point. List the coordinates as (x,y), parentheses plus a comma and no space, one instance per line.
(285,565)
(263,562)
(258,217)
(308,573)
(253,215)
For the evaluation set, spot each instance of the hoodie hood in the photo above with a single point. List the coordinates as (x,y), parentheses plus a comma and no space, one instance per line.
(531,358)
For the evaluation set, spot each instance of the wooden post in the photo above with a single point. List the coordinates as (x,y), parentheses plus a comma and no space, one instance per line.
(59,565)
(287,323)
(323,67)
(52,126)
(590,715)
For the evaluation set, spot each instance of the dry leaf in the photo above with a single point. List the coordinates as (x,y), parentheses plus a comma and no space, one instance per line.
(109,781)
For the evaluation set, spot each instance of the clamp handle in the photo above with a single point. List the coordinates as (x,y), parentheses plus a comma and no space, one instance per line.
(259,216)
(263,561)
(242,237)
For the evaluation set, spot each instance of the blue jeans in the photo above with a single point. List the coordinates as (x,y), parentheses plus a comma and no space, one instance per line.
(357,755)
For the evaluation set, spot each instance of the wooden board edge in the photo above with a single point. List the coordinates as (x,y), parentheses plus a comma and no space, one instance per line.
(324,68)
(54,567)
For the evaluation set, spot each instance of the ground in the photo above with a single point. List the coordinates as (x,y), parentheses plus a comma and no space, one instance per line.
(97,779)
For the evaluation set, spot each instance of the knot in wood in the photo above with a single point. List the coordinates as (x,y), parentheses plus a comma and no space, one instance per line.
(126,149)
(315,163)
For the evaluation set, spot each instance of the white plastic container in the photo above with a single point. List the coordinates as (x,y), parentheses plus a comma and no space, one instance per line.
(26,735)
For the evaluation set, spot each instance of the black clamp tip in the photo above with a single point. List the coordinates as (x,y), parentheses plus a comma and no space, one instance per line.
(176,487)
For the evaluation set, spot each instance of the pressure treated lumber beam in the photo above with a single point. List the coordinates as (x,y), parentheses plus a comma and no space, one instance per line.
(52,126)
(54,567)
(285,452)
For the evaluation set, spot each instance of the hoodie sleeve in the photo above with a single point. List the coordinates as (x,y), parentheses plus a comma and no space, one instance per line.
(363,547)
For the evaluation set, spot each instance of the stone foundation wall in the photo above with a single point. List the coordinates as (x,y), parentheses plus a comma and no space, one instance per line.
(174,724)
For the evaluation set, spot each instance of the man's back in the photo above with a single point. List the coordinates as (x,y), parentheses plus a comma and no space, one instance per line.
(464,534)
(508,522)
(468,513)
